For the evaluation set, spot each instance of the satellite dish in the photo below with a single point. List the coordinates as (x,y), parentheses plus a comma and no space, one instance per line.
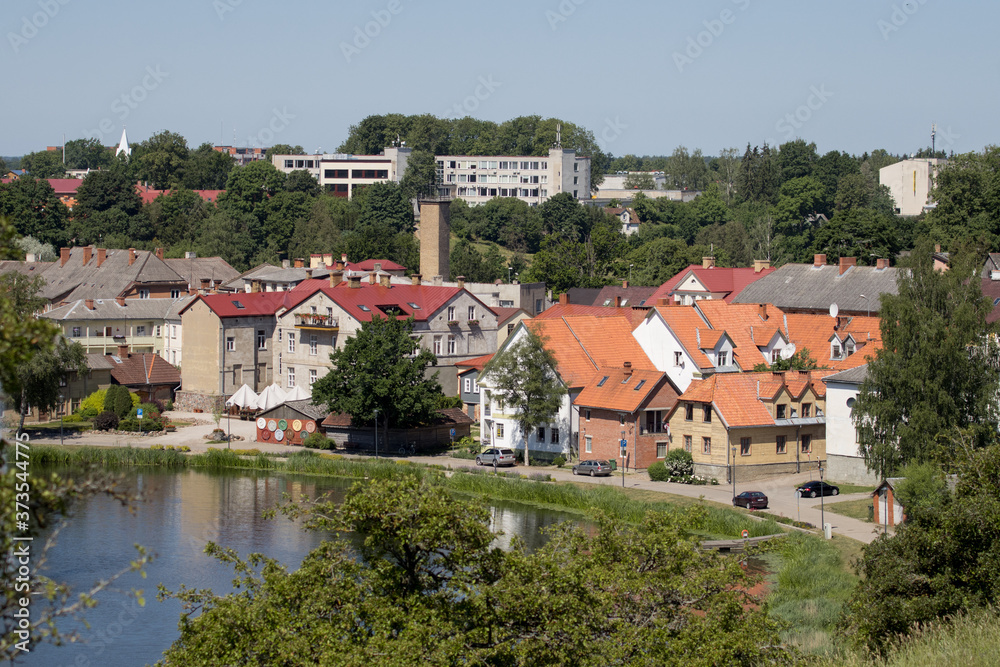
(834,310)
(787,352)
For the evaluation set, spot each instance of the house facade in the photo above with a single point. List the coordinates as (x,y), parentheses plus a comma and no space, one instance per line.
(845,461)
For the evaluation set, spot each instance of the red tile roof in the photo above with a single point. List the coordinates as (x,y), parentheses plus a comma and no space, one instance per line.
(621,391)
(428,298)
(730,281)
(477,363)
(688,326)
(65,186)
(634,316)
(148,194)
(229,305)
(144,369)
(504,314)
(369,265)
(739,398)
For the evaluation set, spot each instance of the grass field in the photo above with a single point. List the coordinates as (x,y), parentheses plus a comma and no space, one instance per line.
(855,509)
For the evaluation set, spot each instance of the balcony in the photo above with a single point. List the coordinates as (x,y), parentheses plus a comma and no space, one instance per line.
(316,321)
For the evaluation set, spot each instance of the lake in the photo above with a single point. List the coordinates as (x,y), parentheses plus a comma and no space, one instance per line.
(183,511)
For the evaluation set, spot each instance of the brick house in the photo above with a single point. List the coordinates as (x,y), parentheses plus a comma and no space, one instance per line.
(763,423)
(630,404)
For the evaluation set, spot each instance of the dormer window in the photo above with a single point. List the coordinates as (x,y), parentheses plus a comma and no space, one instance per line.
(723,358)
(780,411)
(835,351)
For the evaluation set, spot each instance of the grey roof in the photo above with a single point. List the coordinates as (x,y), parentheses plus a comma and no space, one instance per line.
(293,275)
(635,295)
(76,280)
(99,362)
(584,296)
(108,309)
(850,376)
(306,407)
(193,269)
(257,271)
(808,287)
(30,269)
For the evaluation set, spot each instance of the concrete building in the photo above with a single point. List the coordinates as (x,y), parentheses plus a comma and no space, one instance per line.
(531,178)
(341,174)
(845,462)
(911,182)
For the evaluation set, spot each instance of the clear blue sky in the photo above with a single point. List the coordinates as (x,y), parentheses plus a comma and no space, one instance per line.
(850,75)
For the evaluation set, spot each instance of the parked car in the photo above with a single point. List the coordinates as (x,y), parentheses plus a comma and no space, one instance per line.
(592,468)
(751,500)
(501,457)
(816,488)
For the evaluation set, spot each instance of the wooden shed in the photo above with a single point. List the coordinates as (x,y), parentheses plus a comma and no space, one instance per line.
(887,510)
(289,423)
(450,425)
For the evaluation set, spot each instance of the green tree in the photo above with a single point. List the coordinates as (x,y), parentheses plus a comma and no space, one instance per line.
(660,259)
(44,252)
(800,361)
(928,378)
(106,201)
(640,180)
(523,376)
(160,160)
(759,176)
(381,368)
(420,178)
(477,267)
(44,164)
(285,149)
(862,233)
(250,185)
(35,209)
(87,154)
(177,217)
(301,180)
(384,205)
(967,192)
(728,166)
(206,169)
(797,159)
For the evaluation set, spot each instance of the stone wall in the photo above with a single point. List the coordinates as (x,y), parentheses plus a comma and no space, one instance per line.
(189,401)
(749,473)
(850,469)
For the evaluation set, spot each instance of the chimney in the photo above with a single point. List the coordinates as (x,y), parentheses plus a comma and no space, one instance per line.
(663,301)
(708,262)
(120,300)
(415,278)
(88,252)
(30,257)
(372,278)
(762,311)
(354,282)
(192,291)
(254,286)
(846,263)
(819,260)
(461,282)
(384,279)
(89,303)
(624,284)
(123,351)
(131,256)
(63,256)
(338,265)
(563,299)
(336,277)
(628,369)
(205,283)
(343,258)
(285,264)
(159,253)
(102,254)
(299,263)
(618,302)
(937,247)
(378,266)
(881,264)
(328,259)
(761,264)
(309,274)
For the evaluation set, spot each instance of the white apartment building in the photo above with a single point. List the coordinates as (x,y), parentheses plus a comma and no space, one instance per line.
(474,178)
(910,182)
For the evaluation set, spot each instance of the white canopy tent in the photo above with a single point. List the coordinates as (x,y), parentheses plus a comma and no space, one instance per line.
(244,397)
(271,396)
(297,394)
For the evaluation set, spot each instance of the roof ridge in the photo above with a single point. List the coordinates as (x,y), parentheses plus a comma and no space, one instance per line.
(579,342)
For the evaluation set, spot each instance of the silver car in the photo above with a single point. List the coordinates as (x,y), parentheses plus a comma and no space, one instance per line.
(592,468)
(496,456)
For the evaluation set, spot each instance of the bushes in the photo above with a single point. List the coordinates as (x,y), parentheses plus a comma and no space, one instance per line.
(119,400)
(93,405)
(317,441)
(559,461)
(678,467)
(658,472)
(679,463)
(106,421)
(146,425)
(88,413)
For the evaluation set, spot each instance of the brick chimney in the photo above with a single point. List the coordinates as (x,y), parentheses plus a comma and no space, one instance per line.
(336,277)
(663,301)
(131,256)
(63,256)
(628,369)
(937,247)
(309,274)
(299,263)
(254,286)
(88,252)
(205,283)
(416,278)
(89,303)
(819,260)
(846,263)
(159,253)
(624,284)
(761,264)
(354,282)
(762,311)
(461,282)
(102,254)
(618,302)
(882,263)
(123,351)
(384,280)
(372,278)
(708,262)
(563,299)
(120,300)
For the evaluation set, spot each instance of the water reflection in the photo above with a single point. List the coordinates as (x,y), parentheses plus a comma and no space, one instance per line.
(184,511)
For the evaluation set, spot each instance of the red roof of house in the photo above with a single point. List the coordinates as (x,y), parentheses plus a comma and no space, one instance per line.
(731,281)
(242,304)
(504,314)
(148,194)
(64,186)
(634,316)
(369,265)
(613,389)
(363,302)
(737,397)
(143,369)
(477,363)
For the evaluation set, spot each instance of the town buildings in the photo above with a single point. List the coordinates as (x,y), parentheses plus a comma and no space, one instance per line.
(910,182)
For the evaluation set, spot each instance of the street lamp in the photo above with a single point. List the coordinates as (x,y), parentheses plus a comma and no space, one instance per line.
(376,432)
(733,473)
(509,269)
(867,304)
(62,412)
(822,495)
(630,273)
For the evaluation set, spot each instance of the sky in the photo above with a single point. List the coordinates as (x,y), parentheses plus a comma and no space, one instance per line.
(644,76)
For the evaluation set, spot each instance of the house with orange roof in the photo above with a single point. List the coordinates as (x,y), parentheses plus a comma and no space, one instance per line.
(752,425)
(468,383)
(582,345)
(708,281)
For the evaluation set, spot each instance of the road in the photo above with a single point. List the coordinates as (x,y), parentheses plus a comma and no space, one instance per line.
(780,490)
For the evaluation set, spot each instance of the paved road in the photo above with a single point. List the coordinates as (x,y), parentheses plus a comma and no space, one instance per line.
(780,490)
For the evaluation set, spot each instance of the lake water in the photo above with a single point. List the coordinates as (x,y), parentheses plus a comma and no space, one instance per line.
(184,511)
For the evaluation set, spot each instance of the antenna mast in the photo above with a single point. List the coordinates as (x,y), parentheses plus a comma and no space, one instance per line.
(933,135)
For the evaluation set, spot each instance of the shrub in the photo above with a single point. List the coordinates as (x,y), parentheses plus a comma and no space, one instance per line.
(119,400)
(658,472)
(73,418)
(159,447)
(679,463)
(106,421)
(93,405)
(169,405)
(149,411)
(559,461)
(317,441)
(88,413)
(158,405)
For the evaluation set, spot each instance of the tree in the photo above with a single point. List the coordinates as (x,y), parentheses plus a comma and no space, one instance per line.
(44,164)
(967,192)
(420,178)
(384,205)
(87,154)
(930,377)
(43,252)
(380,369)
(206,169)
(160,160)
(466,260)
(35,209)
(800,361)
(728,166)
(106,201)
(523,376)
(427,586)
(759,176)
(284,149)
(797,159)
(640,180)
(301,180)
(177,218)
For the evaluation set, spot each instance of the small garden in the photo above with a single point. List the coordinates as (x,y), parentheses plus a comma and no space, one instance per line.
(678,467)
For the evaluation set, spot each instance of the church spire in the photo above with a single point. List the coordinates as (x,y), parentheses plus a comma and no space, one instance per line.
(123,146)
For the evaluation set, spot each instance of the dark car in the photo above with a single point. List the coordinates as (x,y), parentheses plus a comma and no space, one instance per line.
(592,468)
(751,500)
(817,488)
(496,456)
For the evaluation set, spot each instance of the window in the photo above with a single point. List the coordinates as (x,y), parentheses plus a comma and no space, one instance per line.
(807,409)
(602,381)
(576,180)
(313,345)
(639,385)
(291,343)
(451,344)
(279,335)
(175,294)
(678,358)
(261,340)
(706,445)
(312,376)
(437,346)
(144,294)
(590,444)
(688,412)
(156,331)
(576,166)
(140,330)
(687,443)
(661,450)
(499,431)
(780,448)
(173,331)
(472,312)
(230,344)
(76,332)
(291,376)
(780,411)
(555,436)
(587,414)
(806,444)
(541,434)
(467,384)
(744,446)
(723,358)
(706,413)
(835,351)
(451,313)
